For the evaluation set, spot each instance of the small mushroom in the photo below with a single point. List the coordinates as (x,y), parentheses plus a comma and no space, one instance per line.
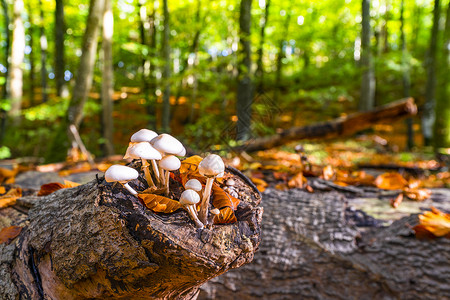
(122,174)
(214,212)
(169,163)
(167,144)
(193,184)
(144,151)
(143,135)
(211,166)
(189,198)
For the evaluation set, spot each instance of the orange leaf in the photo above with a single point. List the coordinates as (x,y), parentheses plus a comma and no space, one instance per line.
(225,216)
(328,172)
(260,184)
(396,202)
(190,165)
(7,175)
(297,181)
(390,181)
(10,197)
(48,188)
(435,222)
(223,199)
(281,187)
(417,194)
(160,204)
(70,184)
(2,190)
(7,234)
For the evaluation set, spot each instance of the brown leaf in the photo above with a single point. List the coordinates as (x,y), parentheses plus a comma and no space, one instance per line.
(223,199)
(7,175)
(309,188)
(10,197)
(390,181)
(328,172)
(396,202)
(417,194)
(8,234)
(2,190)
(260,184)
(225,216)
(435,222)
(160,204)
(297,181)
(48,188)
(189,166)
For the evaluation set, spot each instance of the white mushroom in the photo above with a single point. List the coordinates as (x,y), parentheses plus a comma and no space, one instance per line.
(211,167)
(193,184)
(214,212)
(169,163)
(145,151)
(122,174)
(167,144)
(143,135)
(188,199)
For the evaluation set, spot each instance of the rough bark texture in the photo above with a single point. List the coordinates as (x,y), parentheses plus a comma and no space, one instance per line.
(339,127)
(312,249)
(98,241)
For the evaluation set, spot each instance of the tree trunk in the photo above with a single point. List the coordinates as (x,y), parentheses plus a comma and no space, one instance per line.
(430,88)
(442,124)
(245,84)
(44,47)
(31,57)
(281,55)
(85,72)
(262,36)
(405,75)
(343,126)
(166,72)
(60,29)
(17,56)
(6,48)
(107,80)
(316,246)
(367,100)
(97,241)
(151,104)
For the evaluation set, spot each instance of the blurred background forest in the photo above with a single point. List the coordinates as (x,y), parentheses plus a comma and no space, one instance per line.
(199,69)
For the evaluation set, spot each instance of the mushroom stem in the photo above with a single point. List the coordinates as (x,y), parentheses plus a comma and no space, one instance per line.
(155,169)
(129,188)
(167,180)
(148,176)
(161,176)
(203,214)
(191,211)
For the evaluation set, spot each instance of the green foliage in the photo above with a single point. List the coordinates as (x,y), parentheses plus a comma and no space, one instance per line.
(5,152)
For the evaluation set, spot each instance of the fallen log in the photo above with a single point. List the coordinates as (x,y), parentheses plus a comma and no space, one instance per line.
(343,126)
(98,241)
(316,247)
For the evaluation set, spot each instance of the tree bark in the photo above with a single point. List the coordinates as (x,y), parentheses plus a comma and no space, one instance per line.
(17,57)
(107,80)
(405,75)
(442,124)
(245,84)
(430,88)
(166,72)
(85,72)
(262,36)
(367,100)
(44,47)
(60,29)
(339,127)
(316,246)
(98,241)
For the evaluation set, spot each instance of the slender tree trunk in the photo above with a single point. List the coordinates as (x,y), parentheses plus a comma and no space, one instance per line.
(17,56)
(281,55)
(7,46)
(107,80)
(31,42)
(245,84)
(152,82)
(430,89)
(262,36)
(367,99)
(44,47)
(144,24)
(166,71)
(60,29)
(405,75)
(83,81)
(442,124)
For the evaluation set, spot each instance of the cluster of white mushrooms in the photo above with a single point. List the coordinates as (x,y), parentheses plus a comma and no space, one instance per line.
(159,155)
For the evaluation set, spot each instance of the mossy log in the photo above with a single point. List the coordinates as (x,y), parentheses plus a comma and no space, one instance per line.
(97,241)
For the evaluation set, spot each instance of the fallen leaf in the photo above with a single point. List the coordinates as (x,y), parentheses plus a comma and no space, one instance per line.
(10,197)
(2,190)
(7,175)
(396,202)
(417,194)
(328,172)
(297,181)
(435,222)
(47,189)
(8,234)
(309,188)
(225,216)
(222,199)
(190,165)
(390,181)
(281,187)
(260,184)
(160,204)
(284,176)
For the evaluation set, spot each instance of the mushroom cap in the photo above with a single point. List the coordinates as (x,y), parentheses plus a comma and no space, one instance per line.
(170,163)
(144,150)
(189,197)
(212,165)
(167,144)
(120,173)
(182,152)
(215,211)
(193,184)
(143,135)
